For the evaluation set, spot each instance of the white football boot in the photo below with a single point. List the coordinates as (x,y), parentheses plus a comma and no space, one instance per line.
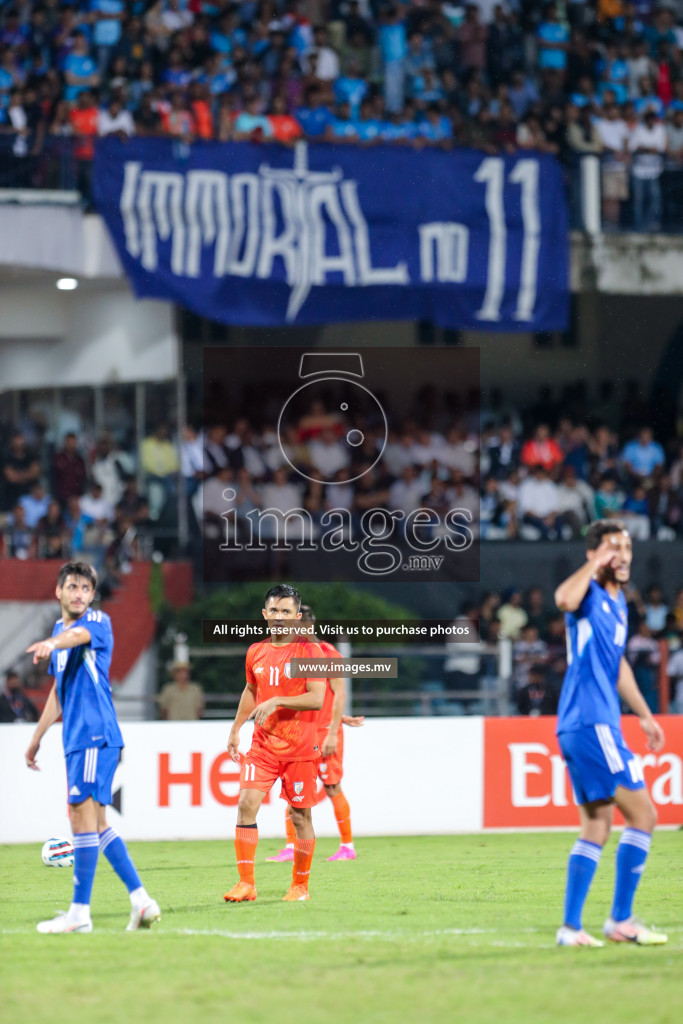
(62,923)
(144,916)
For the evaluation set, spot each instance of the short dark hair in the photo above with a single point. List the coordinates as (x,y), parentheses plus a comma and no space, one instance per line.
(284,590)
(77,569)
(600,528)
(307,613)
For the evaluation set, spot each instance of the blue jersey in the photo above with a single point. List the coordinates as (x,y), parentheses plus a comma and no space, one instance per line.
(596,634)
(83,688)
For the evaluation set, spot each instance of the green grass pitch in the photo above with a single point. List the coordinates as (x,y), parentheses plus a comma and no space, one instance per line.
(434,929)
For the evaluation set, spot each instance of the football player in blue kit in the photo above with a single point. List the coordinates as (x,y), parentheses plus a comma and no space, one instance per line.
(80,651)
(602,769)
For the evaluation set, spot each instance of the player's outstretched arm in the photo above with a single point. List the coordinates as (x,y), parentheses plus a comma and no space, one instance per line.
(628,690)
(245,710)
(51,713)
(74,637)
(570,594)
(338,687)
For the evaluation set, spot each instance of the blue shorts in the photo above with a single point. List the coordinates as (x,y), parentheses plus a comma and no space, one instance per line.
(90,773)
(598,761)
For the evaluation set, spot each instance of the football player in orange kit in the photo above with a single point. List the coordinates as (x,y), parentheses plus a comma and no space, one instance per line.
(285,741)
(330,766)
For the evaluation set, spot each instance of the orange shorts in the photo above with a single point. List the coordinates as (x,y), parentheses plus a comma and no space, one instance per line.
(331,769)
(260,770)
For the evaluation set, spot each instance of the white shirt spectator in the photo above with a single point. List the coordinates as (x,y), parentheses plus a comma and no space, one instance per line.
(577,498)
(648,165)
(427,449)
(397,455)
(284,498)
(328,456)
(107,123)
(614,135)
(192,455)
(328,63)
(539,497)
(406,495)
(96,508)
(210,500)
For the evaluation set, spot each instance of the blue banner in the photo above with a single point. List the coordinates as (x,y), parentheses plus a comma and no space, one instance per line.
(264,235)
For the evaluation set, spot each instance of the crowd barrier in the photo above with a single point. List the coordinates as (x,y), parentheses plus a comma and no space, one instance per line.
(403,776)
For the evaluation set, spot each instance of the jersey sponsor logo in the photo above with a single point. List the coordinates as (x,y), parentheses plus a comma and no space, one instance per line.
(297,799)
(259,668)
(298,787)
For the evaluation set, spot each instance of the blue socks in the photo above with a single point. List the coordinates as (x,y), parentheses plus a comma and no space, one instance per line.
(114,849)
(583,863)
(631,856)
(86,850)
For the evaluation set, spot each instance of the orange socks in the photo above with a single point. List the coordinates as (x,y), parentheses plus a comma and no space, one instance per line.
(303,856)
(289,828)
(342,813)
(246,841)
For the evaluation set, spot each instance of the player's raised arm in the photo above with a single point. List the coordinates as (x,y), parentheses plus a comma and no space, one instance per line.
(628,690)
(570,594)
(51,713)
(245,710)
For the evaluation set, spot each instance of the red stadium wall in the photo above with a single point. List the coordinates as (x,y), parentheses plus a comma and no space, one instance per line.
(526,784)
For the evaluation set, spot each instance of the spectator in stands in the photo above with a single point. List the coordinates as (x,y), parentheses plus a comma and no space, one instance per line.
(285,127)
(35,504)
(20,469)
(576,501)
(635,513)
(15,706)
(537,697)
(536,609)
(641,457)
(181,700)
(114,119)
(648,145)
(84,117)
(327,454)
(541,450)
(674,670)
(95,506)
(19,539)
(109,468)
(528,650)
(642,652)
(69,473)
(159,461)
(538,504)
(251,123)
(51,533)
(656,609)
(614,136)
(512,615)
(80,72)
(393,45)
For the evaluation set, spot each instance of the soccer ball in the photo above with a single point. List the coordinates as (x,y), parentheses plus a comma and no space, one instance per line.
(58,853)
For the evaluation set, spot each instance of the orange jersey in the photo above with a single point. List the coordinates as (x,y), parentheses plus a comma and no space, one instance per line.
(325,713)
(287,735)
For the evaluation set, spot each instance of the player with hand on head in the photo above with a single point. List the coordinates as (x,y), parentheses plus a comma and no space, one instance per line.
(285,741)
(602,769)
(80,651)
(331,719)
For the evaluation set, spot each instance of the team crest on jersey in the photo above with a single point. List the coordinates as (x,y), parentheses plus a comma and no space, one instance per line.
(288,670)
(298,788)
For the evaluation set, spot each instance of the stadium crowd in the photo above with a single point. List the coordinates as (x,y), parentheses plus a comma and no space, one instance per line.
(572,78)
(527,474)
(539,651)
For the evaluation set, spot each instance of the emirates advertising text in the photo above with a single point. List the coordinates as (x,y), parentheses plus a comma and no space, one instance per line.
(340,465)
